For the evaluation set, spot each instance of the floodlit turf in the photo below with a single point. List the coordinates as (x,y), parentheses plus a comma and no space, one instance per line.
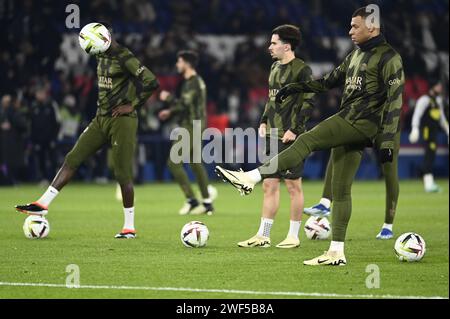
(85,217)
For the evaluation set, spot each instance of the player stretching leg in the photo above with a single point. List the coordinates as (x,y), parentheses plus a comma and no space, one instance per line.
(289,119)
(124,85)
(373,80)
(390,172)
(191,106)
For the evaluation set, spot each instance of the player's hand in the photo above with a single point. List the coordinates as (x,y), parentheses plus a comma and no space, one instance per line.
(164,114)
(163,95)
(122,109)
(285,91)
(386,155)
(414,136)
(288,137)
(262,129)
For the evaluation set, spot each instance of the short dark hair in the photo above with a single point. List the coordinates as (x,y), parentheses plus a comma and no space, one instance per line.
(288,33)
(189,56)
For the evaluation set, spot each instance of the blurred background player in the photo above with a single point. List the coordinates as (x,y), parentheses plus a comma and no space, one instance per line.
(44,119)
(429,113)
(13,128)
(288,119)
(373,80)
(189,107)
(124,85)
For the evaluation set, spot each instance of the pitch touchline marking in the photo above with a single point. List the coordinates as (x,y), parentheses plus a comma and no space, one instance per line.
(226,291)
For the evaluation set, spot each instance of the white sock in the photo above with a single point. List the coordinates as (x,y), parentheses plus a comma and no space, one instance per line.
(294,228)
(49,195)
(129,218)
(265,226)
(387,226)
(207,200)
(428,180)
(337,246)
(325,202)
(254,176)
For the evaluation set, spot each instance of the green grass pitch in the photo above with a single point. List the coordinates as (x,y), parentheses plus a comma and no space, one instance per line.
(85,217)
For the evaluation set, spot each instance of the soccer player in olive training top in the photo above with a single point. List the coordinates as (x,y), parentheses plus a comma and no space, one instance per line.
(190,107)
(288,119)
(373,80)
(124,84)
(429,114)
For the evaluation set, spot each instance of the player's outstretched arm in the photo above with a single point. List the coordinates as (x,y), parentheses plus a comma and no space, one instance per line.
(333,79)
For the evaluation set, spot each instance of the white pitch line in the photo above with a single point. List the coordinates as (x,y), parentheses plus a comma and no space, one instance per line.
(224,291)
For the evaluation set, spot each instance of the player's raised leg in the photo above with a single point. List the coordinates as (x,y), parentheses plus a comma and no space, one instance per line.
(332,132)
(88,143)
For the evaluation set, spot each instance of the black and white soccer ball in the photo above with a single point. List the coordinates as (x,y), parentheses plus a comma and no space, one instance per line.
(94,38)
(410,247)
(36,227)
(317,228)
(194,234)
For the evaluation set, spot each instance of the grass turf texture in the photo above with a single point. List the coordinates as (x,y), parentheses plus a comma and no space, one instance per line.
(85,217)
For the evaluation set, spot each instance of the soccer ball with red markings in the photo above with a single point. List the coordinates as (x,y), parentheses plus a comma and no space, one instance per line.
(36,227)
(94,38)
(194,234)
(410,247)
(317,228)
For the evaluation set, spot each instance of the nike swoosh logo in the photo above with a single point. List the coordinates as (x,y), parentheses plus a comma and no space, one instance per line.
(222,174)
(261,244)
(232,175)
(322,261)
(231,182)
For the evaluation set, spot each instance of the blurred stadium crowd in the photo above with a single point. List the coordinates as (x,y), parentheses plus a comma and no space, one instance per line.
(48,85)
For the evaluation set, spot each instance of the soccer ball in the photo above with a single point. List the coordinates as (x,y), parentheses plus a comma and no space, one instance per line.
(317,228)
(194,234)
(36,227)
(410,247)
(94,38)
